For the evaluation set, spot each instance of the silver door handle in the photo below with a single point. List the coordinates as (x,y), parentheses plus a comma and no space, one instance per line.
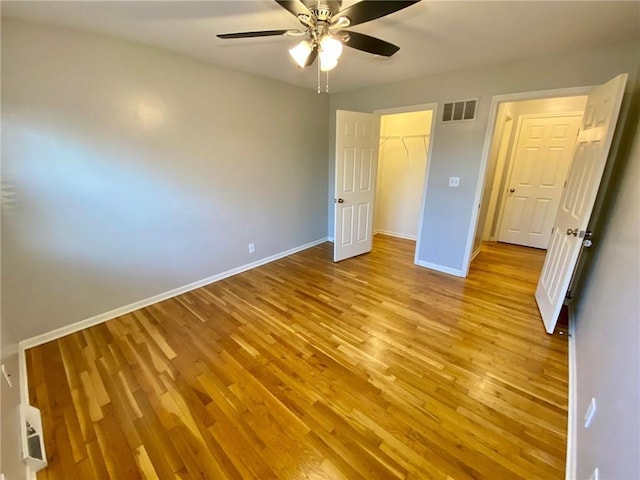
(339,200)
(573,232)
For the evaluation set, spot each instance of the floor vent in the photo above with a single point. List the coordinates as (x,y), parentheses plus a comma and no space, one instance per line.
(33,452)
(460,111)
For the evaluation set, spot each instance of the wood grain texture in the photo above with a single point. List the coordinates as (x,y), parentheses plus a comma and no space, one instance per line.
(303,368)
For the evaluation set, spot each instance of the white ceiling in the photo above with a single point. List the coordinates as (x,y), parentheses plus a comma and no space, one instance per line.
(434,36)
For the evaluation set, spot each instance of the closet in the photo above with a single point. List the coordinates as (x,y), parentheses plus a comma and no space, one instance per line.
(402,163)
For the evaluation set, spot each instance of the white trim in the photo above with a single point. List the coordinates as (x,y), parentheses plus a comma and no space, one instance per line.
(103,317)
(330,239)
(395,234)
(475,254)
(498,153)
(22,374)
(572,404)
(440,268)
(495,101)
(407,109)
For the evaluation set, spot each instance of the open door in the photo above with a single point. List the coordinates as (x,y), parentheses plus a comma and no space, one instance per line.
(578,197)
(357,142)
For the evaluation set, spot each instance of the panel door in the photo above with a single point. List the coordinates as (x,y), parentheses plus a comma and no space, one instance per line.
(594,142)
(542,155)
(357,141)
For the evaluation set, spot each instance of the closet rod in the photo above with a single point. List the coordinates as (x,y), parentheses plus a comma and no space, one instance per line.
(384,138)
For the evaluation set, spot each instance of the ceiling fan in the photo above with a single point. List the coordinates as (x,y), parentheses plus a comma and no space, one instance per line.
(324,28)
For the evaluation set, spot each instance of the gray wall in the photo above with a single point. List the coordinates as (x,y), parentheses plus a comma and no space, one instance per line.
(10,457)
(607,326)
(129,171)
(457,148)
(132,171)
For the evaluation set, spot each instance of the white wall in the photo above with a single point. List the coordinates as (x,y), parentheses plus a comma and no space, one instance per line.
(607,327)
(457,148)
(135,171)
(401,169)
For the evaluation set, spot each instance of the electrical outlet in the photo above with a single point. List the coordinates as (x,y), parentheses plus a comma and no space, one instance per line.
(591,411)
(7,378)
(454,181)
(252,248)
(595,475)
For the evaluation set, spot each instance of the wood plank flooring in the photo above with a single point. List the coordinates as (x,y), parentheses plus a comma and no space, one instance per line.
(371,368)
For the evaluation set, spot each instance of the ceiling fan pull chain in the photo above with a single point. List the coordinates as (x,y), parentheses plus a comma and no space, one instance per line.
(326,89)
(319,89)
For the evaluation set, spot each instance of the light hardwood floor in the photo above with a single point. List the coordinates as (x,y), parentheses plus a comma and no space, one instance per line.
(302,368)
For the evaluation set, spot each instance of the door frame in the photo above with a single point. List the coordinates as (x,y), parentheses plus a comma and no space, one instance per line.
(502,158)
(496,100)
(512,154)
(418,108)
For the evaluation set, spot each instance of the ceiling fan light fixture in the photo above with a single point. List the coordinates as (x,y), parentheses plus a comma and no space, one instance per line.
(330,51)
(327,63)
(300,53)
(331,46)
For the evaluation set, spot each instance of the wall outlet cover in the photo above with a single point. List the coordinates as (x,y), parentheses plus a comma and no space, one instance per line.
(454,181)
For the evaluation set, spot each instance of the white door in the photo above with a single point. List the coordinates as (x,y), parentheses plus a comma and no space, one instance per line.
(594,141)
(543,151)
(357,141)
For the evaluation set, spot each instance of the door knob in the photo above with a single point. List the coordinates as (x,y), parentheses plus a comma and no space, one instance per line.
(512,190)
(573,232)
(340,200)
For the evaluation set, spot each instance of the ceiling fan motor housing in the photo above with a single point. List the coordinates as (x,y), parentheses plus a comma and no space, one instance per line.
(323,9)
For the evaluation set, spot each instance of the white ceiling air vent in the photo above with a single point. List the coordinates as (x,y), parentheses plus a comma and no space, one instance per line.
(460,111)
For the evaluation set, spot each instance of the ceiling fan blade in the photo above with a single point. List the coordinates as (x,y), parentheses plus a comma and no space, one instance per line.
(369,44)
(296,7)
(263,33)
(312,56)
(368,10)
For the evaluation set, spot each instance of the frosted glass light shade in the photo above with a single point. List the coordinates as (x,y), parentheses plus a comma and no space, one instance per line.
(331,46)
(327,63)
(301,52)
(330,50)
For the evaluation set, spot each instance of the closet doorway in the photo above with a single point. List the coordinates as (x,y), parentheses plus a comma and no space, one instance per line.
(530,151)
(402,171)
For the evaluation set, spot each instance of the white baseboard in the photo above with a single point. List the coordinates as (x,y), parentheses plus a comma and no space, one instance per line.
(572,404)
(440,268)
(474,255)
(395,234)
(103,317)
(330,239)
